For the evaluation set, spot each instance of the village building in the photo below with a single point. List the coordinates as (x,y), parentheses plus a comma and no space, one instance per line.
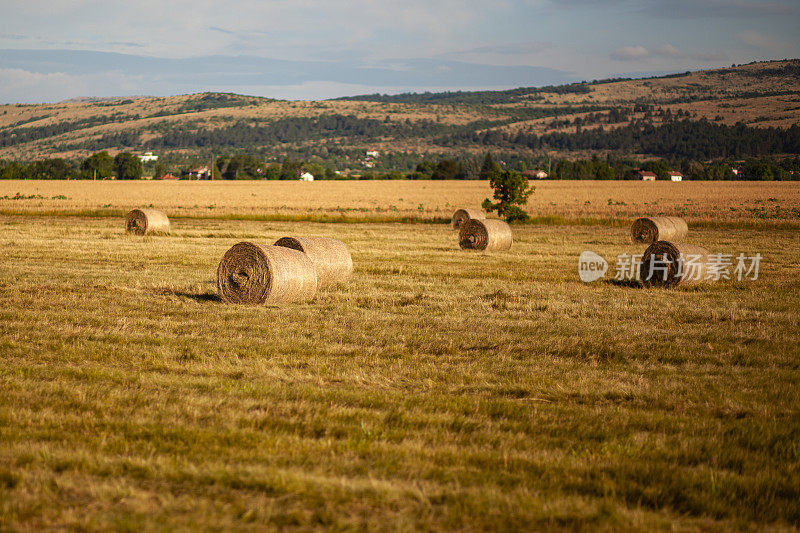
(675,176)
(644,175)
(147,157)
(306,176)
(200,173)
(536,174)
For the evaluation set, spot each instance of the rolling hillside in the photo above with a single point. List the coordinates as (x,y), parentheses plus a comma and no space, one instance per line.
(558,120)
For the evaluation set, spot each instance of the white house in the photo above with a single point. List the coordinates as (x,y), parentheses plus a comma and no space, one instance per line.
(306,176)
(645,175)
(373,153)
(148,156)
(675,176)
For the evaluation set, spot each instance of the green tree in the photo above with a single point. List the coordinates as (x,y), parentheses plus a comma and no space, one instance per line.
(272,172)
(756,169)
(12,170)
(470,169)
(97,166)
(425,169)
(447,169)
(160,170)
(511,190)
(489,168)
(50,169)
(127,166)
(290,170)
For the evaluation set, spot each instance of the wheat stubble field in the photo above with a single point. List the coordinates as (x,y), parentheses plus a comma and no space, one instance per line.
(711,203)
(439,389)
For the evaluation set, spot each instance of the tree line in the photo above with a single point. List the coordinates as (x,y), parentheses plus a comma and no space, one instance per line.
(466,166)
(699,140)
(124,166)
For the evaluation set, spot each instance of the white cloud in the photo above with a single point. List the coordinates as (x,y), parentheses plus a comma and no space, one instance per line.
(297,29)
(667,50)
(718,8)
(759,40)
(22,86)
(630,53)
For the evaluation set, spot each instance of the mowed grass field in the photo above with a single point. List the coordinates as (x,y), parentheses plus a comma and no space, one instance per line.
(737,204)
(439,389)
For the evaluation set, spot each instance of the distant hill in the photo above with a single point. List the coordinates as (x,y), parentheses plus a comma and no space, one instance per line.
(754,107)
(100,99)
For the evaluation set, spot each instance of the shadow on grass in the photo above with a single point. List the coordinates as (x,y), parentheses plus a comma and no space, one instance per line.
(198,297)
(627,283)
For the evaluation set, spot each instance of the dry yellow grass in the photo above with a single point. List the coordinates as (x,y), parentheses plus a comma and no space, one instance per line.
(437,390)
(716,202)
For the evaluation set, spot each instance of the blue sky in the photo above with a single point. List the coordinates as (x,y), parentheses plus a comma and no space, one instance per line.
(303,49)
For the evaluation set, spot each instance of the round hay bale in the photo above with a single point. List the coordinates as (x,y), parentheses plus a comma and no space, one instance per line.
(651,229)
(672,264)
(489,235)
(331,257)
(462,215)
(254,274)
(146,222)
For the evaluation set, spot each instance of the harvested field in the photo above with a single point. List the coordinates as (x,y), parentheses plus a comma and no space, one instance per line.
(553,201)
(436,390)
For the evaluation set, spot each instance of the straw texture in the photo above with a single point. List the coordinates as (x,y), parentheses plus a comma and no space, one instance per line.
(489,235)
(146,222)
(672,264)
(462,215)
(651,229)
(254,274)
(331,257)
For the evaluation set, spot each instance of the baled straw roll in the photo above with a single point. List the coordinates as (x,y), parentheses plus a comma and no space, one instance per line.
(331,257)
(489,235)
(652,229)
(462,215)
(146,222)
(672,264)
(254,274)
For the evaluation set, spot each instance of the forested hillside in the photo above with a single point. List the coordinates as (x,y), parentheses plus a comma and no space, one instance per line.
(734,113)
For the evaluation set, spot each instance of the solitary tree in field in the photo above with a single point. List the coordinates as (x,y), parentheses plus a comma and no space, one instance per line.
(127,166)
(511,190)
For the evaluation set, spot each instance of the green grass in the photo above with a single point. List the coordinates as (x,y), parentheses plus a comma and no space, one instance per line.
(439,389)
